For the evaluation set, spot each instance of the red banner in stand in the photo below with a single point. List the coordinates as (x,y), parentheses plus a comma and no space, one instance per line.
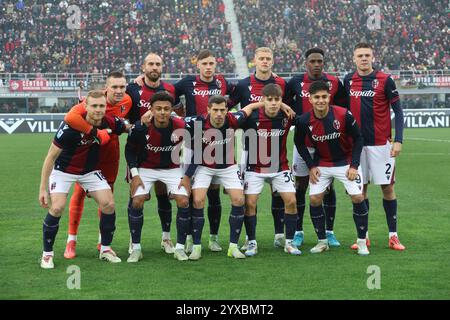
(29,85)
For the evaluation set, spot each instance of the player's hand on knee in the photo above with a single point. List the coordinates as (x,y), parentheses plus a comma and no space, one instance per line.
(396,149)
(43,199)
(314,174)
(136,182)
(352,173)
(102,136)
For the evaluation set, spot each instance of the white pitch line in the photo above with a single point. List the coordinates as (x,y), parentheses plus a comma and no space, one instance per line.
(426,139)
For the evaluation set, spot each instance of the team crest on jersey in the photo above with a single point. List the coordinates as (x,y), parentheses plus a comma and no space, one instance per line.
(250,88)
(284,122)
(218,83)
(351,81)
(330,85)
(336,124)
(122,109)
(147,136)
(257,124)
(140,92)
(194,83)
(246,186)
(310,128)
(53,186)
(375,83)
(301,84)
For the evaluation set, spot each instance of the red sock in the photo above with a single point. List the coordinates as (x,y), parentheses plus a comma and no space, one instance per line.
(76,207)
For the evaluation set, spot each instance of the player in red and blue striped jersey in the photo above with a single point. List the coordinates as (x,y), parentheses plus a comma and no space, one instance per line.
(249,90)
(197,89)
(75,157)
(372,93)
(213,160)
(266,133)
(338,143)
(153,154)
(298,97)
(141,93)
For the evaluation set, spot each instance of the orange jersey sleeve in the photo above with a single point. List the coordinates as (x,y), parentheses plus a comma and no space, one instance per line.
(120,109)
(76,118)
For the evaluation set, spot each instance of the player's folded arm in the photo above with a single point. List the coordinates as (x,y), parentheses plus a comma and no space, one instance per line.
(75,119)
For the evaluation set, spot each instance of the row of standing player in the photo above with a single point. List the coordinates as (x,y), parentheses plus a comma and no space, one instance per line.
(198,89)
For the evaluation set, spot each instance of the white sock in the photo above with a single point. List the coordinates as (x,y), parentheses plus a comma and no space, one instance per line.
(50,253)
(328,231)
(213,236)
(392,234)
(246,237)
(298,232)
(99,238)
(72,237)
(189,237)
(279,235)
(233,245)
(166,235)
(105,248)
(136,246)
(252,242)
(179,246)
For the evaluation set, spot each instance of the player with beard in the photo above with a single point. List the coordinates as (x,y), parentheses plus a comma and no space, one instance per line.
(141,92)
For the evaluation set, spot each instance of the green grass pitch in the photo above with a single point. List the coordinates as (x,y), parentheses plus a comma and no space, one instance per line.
(421,272)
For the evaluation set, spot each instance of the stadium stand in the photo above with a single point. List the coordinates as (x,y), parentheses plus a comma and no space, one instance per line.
(34,36)
(413,34)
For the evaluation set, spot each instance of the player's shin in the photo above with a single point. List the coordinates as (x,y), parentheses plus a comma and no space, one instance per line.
(329,205)
(290,223)
(318,220)
(390,208)
(107,228)
(361,218)
(300,196)
(49,230)
(135,222)
(250,227)
(165,212)
(198,221)
(183,222)
(236,220)
(278,214)
(214,210)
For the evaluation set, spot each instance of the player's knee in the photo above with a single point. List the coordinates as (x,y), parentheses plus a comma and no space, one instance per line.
(138,202)
(237,201)
(250,204)
(388,191)
(182,202)
(357,198)
(290,203)
(198,203)
(57,209)
(315,200)
(107,206)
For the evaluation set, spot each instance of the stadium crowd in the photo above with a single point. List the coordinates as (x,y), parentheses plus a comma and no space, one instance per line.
(34,35)
(413,34)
